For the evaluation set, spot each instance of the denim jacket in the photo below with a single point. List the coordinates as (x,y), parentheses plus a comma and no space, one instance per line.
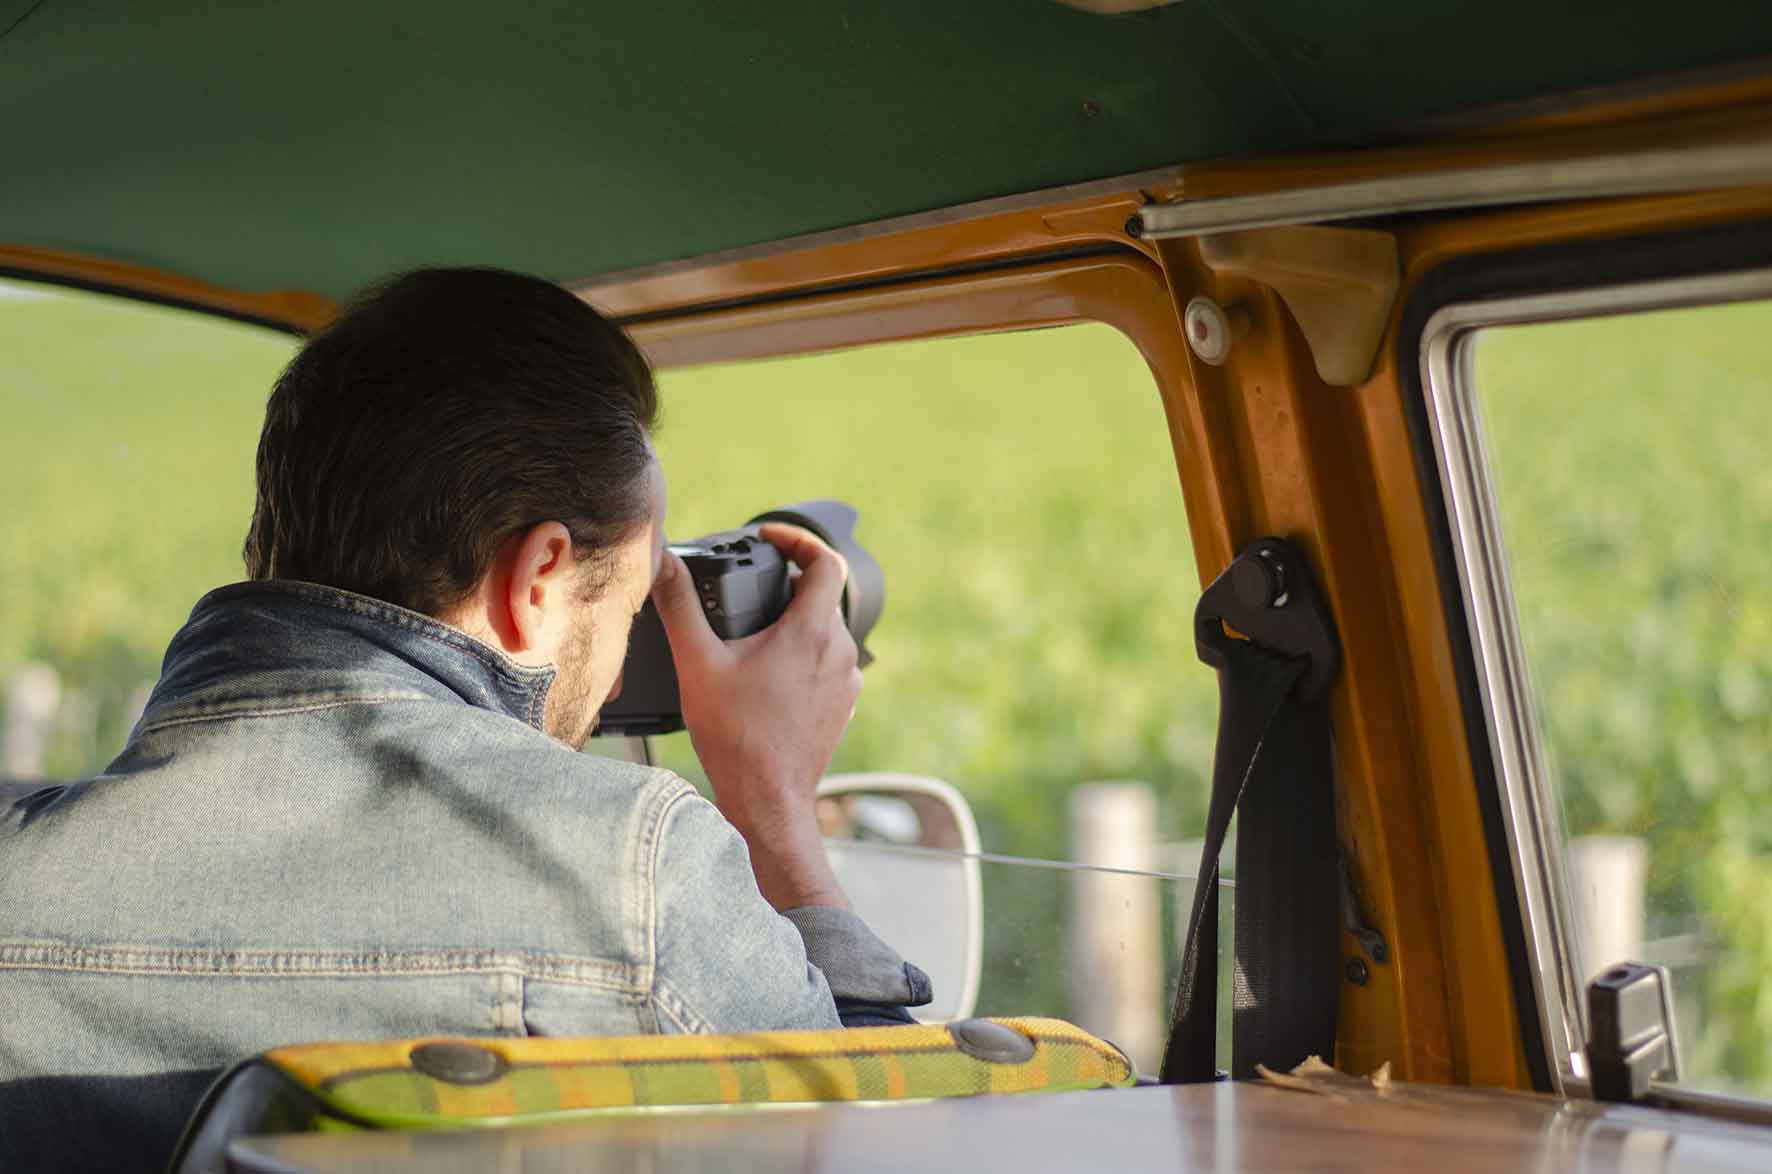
(340,819)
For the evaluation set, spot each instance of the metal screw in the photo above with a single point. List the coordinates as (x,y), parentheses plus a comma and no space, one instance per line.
(1356,971)
(1276,569)
(1256,582)
(1208,330)
(1134,226)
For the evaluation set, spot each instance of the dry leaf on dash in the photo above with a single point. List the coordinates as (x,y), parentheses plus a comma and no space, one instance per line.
(1314,1076)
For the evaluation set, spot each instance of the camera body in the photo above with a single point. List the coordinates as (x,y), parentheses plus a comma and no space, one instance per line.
(744,585)
(741,580)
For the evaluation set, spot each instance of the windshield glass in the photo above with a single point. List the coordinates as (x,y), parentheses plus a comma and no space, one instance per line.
(1636,505)
(1036,649)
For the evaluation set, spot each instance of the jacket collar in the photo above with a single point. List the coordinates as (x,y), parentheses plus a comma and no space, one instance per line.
(278,638)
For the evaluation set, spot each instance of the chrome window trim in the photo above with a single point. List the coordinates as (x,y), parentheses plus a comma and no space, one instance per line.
(1530,809)
(1689,166)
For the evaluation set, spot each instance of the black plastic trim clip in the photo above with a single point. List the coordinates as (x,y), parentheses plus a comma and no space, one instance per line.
(1268,595)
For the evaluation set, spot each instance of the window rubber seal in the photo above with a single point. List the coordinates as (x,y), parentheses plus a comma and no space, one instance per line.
(125,293)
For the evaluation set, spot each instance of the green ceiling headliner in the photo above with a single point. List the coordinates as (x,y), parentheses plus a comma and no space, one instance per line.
(318,145)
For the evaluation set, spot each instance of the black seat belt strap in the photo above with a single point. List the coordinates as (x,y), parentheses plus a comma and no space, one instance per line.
(1273,770)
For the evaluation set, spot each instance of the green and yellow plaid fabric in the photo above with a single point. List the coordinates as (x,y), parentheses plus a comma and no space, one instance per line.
(377,1084)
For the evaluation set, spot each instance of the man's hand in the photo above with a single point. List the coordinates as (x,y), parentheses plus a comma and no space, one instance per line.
(765,712)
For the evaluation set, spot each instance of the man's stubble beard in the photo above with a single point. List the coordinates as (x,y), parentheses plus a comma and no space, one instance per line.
(572,710)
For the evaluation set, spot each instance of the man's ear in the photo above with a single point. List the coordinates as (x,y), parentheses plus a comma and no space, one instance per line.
(537,590)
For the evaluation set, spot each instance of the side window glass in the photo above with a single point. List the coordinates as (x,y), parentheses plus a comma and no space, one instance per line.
(1629,457)
(1020,492)
(126,458)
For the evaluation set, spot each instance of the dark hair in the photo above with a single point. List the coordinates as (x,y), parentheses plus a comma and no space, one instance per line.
(444,412)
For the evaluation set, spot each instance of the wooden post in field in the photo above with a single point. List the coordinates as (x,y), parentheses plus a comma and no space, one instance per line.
(33,697)
(1116,938)
(1607,875)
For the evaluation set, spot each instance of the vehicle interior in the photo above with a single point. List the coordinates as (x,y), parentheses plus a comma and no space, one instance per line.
(1134,331)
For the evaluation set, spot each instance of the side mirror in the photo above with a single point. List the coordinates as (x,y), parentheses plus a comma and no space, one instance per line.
(905,849)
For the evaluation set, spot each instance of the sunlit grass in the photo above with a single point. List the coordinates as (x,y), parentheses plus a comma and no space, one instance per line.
(126,471)
(1636,497)
(1019,490)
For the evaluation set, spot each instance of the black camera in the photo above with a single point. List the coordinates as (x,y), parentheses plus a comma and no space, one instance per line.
(744,585)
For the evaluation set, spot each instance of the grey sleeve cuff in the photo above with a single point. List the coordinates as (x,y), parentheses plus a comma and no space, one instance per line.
(858,965)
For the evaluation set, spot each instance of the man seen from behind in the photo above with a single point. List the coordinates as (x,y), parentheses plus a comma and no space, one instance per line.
(354,806)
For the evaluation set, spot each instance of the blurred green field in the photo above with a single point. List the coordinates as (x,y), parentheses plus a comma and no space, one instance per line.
(126,468)
(1631,462)
(1020,492)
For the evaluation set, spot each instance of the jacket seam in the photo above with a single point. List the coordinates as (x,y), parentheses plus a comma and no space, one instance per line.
(279,710)
(647,894)
(667,1002)
(196,962)
(510,1002)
